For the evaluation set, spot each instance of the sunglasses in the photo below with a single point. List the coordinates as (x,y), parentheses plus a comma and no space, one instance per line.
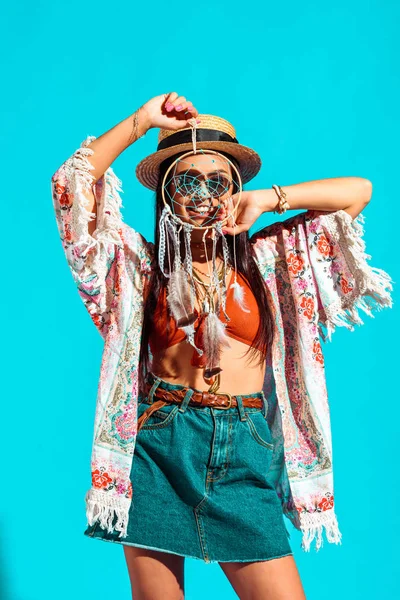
(190,185)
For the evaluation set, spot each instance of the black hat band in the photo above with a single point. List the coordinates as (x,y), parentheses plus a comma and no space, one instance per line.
(202,135)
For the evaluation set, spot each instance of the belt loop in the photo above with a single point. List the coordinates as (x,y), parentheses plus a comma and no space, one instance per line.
(153,388)
(265,405)
(240,406)
(183,406)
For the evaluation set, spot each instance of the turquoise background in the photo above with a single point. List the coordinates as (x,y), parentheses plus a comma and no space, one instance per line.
(315,90)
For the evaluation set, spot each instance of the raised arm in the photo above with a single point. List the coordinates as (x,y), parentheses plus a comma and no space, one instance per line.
(109,146)
(98,245)
(350,194)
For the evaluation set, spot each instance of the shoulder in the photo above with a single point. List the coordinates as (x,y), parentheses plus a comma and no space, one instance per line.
(136,247)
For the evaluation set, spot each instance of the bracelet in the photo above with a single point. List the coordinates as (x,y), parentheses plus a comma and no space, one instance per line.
(283,204)
(134,135)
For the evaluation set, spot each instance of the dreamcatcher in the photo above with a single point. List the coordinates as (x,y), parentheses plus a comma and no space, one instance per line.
(198,194)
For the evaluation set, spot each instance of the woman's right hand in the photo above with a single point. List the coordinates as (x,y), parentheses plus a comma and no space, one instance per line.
(169,111)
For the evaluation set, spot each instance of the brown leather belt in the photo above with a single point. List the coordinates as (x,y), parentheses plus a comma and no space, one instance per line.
(214,399)
(161,397)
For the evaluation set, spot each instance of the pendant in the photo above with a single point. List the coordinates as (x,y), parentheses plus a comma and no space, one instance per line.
(211,372)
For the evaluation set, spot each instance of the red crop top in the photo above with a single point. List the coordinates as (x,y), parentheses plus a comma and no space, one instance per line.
(242,325)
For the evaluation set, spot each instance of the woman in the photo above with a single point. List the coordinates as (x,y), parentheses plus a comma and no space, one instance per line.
(200,449)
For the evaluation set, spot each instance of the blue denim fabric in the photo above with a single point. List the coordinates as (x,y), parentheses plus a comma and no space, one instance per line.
(200,484)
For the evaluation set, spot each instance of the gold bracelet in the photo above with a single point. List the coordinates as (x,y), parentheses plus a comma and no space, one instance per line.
(134,135)
(283,204)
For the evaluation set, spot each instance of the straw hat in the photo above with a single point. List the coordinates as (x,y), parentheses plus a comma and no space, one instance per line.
(213,133)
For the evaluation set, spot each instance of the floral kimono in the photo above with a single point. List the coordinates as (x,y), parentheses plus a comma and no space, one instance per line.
(315,267)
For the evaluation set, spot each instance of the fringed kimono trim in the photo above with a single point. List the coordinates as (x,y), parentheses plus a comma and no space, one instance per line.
(312,526)
(106,191)
(111,512)
(369,288)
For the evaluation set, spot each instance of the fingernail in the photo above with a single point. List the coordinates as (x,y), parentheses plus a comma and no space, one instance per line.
(190,107)
(169,106)
(179,107)
(198,120)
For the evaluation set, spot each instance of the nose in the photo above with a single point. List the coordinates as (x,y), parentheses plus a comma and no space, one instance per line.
(202,190)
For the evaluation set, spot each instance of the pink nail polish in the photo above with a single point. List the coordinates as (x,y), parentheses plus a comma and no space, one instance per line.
(179,107)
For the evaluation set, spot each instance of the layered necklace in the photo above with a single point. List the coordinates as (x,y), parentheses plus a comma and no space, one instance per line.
(207,293)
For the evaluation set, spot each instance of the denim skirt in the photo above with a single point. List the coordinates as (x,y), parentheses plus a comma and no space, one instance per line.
(200,484)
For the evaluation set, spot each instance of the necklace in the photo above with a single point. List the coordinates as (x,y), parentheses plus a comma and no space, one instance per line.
(208,241)
(205,292)
(207,274)
(221,275)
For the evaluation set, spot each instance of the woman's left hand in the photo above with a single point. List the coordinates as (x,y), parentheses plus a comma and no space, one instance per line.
(252,204)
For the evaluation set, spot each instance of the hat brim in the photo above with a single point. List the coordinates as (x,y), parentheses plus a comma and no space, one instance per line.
(148,170)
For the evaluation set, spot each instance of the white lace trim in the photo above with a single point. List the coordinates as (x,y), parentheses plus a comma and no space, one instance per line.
(312,526)
(372,285)
(102,507)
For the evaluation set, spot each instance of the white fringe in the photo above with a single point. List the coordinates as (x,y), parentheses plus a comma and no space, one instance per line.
(81,179)
(103,508)
(312,526)
(372,285)
(109,218)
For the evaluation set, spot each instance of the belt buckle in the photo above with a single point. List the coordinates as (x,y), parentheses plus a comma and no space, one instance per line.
(230,400)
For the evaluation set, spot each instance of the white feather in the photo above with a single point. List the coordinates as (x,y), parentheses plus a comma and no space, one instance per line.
(238,296)
(214,338)
(180,298)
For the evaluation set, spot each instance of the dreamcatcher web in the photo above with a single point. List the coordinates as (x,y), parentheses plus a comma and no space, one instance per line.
(201,191)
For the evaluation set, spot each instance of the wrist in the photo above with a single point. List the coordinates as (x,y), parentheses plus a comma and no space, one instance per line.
(144,120)
(282,203)
(269,200)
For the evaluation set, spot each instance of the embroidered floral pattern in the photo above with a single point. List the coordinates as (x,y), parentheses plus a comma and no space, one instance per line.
(101,480)
(307,304)
(125,424)
(317,351)
(346,287)
(324,247)
(295,263)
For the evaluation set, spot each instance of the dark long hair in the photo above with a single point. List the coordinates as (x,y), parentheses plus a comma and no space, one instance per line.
(246,266)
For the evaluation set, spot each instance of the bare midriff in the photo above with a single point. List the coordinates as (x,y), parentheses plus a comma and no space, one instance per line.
(240,374)
(175,360)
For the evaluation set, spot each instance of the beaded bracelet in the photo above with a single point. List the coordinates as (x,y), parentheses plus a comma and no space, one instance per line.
(283,204)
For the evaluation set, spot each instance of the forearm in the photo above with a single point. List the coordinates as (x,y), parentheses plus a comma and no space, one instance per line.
(108,146)
(323,194)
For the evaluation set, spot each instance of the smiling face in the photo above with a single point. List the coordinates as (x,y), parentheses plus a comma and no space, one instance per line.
(199,188)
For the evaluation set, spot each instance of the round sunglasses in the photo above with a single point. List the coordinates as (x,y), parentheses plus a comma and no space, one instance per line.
(192,185)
